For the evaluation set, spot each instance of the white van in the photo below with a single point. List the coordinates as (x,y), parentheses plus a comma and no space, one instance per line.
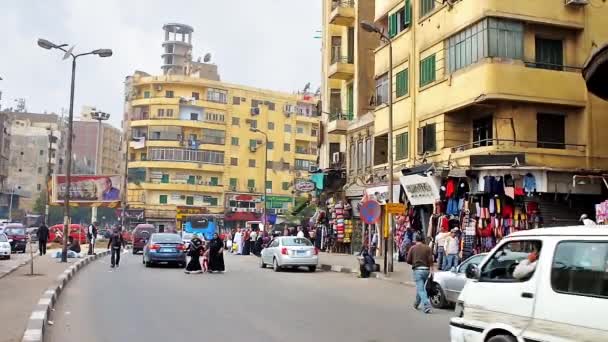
(565,298)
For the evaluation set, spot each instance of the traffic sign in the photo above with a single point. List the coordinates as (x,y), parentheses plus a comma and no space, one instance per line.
(395,208)
(370,211)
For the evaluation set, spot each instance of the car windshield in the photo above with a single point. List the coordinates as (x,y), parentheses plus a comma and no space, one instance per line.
(15,231)
(294,241)
(166,238)
(3,238)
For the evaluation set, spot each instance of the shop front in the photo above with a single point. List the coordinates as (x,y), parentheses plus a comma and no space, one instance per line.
(162,219)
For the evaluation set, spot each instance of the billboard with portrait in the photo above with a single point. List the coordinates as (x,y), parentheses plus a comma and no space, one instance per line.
(88,189)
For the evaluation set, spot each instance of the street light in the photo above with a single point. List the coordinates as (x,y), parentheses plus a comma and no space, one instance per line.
(388,242)
(255,130)
(99,116)
(45,44)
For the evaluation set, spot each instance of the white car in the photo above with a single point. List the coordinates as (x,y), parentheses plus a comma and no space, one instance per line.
(290,251)
(546,284)
(5,247)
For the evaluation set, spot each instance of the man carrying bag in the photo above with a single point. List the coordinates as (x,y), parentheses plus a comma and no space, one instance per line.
(420,257)
(92,237)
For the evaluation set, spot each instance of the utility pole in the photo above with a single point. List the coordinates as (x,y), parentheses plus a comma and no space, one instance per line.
(100,117)
(49,174)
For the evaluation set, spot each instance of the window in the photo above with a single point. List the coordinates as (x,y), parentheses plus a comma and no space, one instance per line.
(169,112)
(549,53)
(271,126)
(551,130)
(160,112)
(360,157)
(368,152)
(164,178)
(38,187)
(212,201)
(169,93)
(271,106)
(402,83)
(382,89)
(270,145)
(186,155)
(234,161)
(401,146)
(216,95)
(269,185)
(285,186)
(253,143)
(236,100)
(581,268)
(400,20)
(132,157)
(427,141)
(287,128)
(213,136)
(426,6)
(286,166)
(314,131)
(350,101)
(39,169)
(191,180)
(251,162)
(235,121)
(427,70)
(143,156)
(492,37)
(195,95)
(214,181)
(303,165)
(213,117)
(286,147)
(146,94)
(353,156)
(299,129)
(234,141)
(193,137)
(500,266)
(194,116)
(252,123)
(41,152)
(162,199)
(251,183)
(256,103)
(482,132)
(233,182)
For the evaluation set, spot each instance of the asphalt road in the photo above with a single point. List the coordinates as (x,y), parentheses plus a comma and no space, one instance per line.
(246,303)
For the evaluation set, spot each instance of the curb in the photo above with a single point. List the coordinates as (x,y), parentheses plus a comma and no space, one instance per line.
(377,275)
(34,331)
(14,268)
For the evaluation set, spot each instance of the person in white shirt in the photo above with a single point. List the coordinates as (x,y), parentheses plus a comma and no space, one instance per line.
(440,243)
(526,267)
(300,233)
(452,246)
(587,221)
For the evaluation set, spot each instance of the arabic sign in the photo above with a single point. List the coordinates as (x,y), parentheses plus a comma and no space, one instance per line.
(305,186)
(87,189)
(370,211)
(395,208)
(420,189)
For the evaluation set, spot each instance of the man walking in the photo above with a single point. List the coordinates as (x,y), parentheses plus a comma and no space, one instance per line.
(43,238)
(92,237)
(116,242)
(421,259)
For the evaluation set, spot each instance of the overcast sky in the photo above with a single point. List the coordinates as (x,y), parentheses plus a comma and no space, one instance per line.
(263,43)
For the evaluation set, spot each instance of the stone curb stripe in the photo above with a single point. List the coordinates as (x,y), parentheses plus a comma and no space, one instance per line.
(39,317)
(379,276)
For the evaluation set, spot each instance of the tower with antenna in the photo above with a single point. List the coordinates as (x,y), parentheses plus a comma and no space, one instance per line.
(177,48)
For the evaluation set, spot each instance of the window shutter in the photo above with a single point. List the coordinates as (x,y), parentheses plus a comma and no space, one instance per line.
(391,31)
(420,144)
(408,13)
(432,69)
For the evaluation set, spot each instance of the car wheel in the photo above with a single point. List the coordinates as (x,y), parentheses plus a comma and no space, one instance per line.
(438,301)
(502,338)
(275,265)
(262,264)
(134,251)
(312,268)
(143,261)
(8,257)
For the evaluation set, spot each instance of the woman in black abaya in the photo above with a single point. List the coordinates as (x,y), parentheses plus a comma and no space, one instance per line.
(216,255)
(194,252)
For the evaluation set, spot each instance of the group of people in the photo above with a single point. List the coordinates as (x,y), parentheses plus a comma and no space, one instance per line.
(246,241)
(211,253)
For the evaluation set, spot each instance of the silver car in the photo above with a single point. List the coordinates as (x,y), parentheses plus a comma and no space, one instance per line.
(290,251)
(448,284)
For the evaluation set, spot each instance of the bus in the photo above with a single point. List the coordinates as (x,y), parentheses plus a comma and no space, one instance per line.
(202,225)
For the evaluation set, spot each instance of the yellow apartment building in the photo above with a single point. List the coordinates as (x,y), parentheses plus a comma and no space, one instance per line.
(493,84)
(192,149)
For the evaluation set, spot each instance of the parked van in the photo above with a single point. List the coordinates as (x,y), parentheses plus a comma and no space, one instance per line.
(561,296)
(141,234)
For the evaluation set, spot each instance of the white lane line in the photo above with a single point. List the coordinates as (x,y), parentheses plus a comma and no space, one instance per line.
(38,315)
(32,335)
(44,301)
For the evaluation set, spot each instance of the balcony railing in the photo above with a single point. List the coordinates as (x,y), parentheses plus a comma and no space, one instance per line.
(341,116)
(342,3)
(549,66)
(185,155)
(306,151)
(519,143)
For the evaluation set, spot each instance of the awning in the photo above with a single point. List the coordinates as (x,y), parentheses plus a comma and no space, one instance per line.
(420,190)
(595,72)
(242,216)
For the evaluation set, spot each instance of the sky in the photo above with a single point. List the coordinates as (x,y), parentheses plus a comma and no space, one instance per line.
(263,43)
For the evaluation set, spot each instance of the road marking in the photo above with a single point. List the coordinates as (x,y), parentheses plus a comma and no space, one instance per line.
(32,335)
(38,315)
(44,301)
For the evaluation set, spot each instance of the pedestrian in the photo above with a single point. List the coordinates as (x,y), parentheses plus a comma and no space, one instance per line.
(253,238)
(195,251)
(246,242)
(258,245)
(74,245)
(216,255)
(238,240)
(115,243)
(205,263)
(440,243)
(587,221)
(300,233)
(43,238)
(92,237)
(420,257)
(452,244)
(374,244)
(367,263)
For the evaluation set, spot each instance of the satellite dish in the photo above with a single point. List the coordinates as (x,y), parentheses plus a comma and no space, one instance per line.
(207,58)
(68,53)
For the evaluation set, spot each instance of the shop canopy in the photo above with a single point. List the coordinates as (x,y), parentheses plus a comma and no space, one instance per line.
(595,72)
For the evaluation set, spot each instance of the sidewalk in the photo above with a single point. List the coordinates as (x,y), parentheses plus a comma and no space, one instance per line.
(346,263)
(20,292)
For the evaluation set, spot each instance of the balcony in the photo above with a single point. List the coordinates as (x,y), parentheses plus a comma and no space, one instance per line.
(306,137)
(338,123)
(342,12)
(306,153)
(175,186)
(172,165)
(341,68)
(154,121)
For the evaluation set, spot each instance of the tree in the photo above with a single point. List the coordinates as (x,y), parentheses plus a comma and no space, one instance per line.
(40,204)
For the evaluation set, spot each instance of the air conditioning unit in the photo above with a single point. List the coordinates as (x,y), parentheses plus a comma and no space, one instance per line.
(576,2)
(252,149)
(158,87)
(232,188)
(255,111)
(233,209)
(251,189)
(337,157)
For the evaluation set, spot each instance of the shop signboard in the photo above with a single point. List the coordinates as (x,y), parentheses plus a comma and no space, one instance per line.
(370,211)
(88,190)
(395,208)
(305,186)
(420,190)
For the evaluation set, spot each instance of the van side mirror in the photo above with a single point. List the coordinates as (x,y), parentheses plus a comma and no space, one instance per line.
(472,272)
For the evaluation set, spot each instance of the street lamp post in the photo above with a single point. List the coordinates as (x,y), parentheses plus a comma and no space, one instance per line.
(389,242)
(45,44)
(100,117)
(255,130)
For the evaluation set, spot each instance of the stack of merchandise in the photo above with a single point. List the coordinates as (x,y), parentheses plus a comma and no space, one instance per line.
(601,212)
(339,222)
(348,231)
